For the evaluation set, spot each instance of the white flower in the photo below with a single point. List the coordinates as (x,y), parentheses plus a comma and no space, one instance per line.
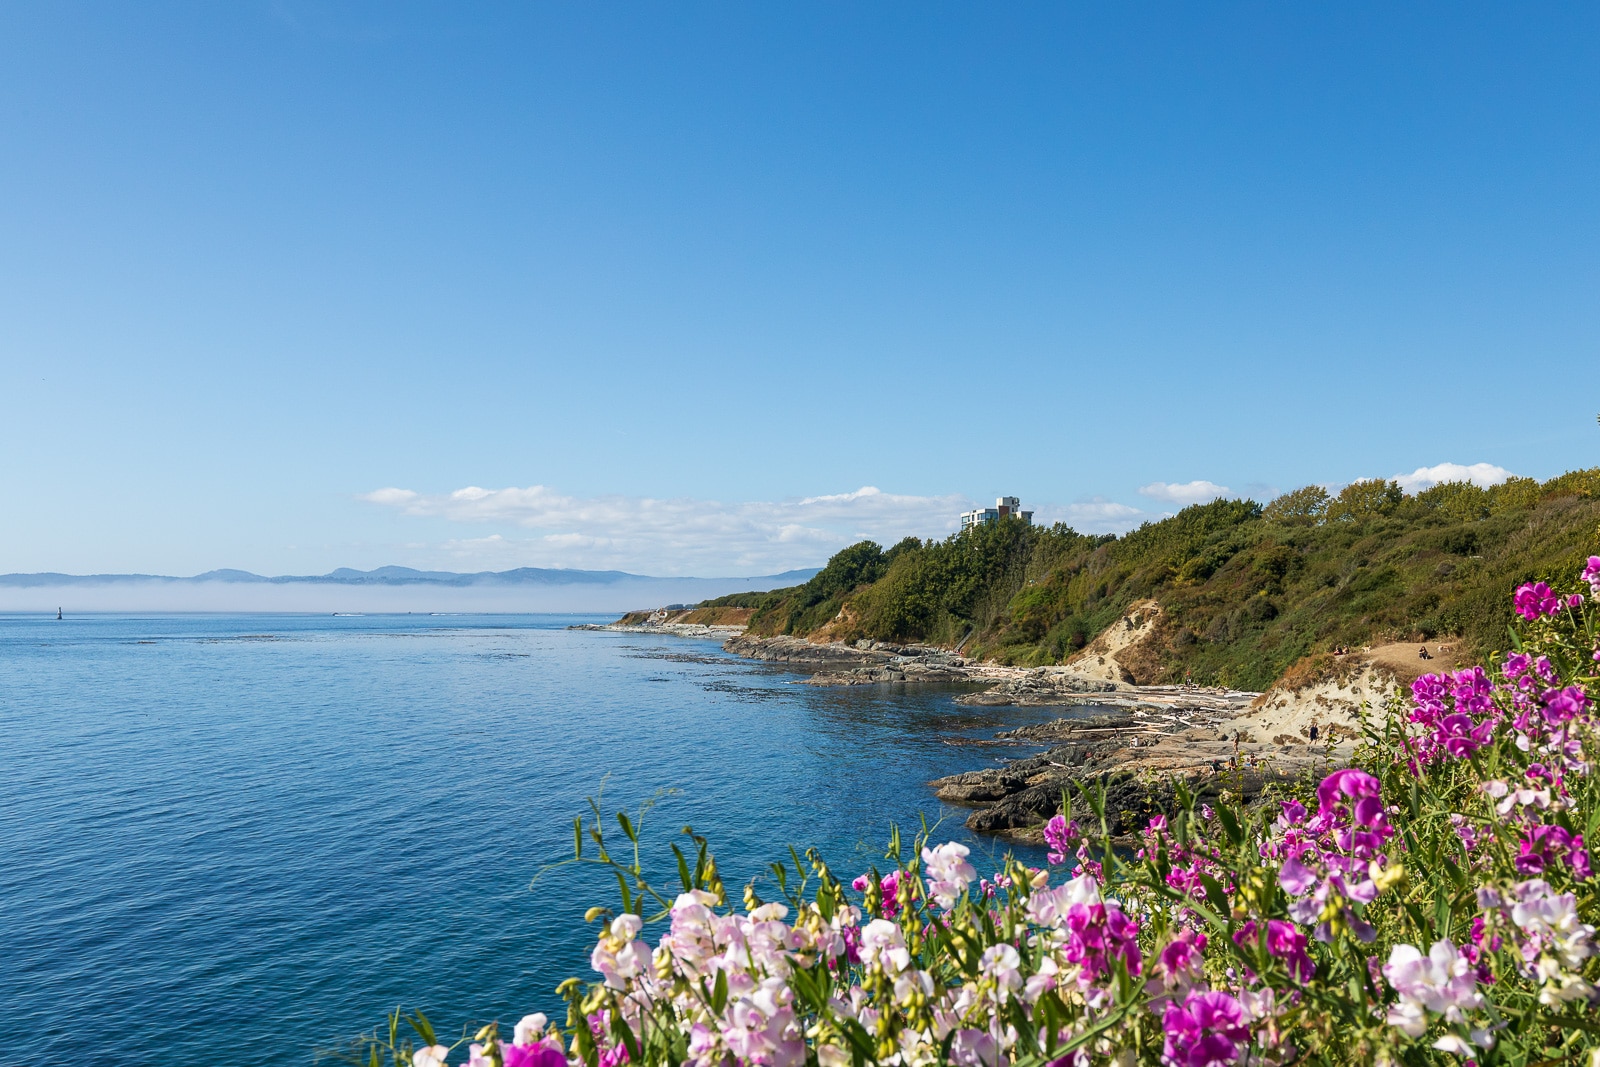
(429,1056)
(530,1029)
(1042,981)
(1001,962)
(1443,982)
(948,872)
(882,943)
(1553,920)
(1538,798)
(832,1056)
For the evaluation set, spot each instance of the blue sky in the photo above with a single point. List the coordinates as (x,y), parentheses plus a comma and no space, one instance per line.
(290,286)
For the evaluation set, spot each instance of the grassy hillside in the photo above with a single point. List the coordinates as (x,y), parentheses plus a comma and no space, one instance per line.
(1248,590)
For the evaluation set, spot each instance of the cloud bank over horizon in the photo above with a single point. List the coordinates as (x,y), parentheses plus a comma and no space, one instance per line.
(542,526)
(690,536)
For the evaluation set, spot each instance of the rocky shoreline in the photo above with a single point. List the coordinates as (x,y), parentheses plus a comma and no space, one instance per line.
(1148,739)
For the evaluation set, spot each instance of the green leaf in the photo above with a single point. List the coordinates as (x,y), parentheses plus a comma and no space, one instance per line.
(1230,824)
(627,827)
(419,1022)
(683,869)
(1214,894)
(719,992)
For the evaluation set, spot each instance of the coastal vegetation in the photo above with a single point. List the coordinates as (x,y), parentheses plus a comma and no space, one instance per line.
(1430,904)
(1248,591)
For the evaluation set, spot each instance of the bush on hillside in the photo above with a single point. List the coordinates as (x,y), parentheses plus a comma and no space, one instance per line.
(1262,587)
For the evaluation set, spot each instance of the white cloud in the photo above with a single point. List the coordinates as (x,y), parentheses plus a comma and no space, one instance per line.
(1184,493)
(649,535)
(1096,515)
(673,536)
(1481,474)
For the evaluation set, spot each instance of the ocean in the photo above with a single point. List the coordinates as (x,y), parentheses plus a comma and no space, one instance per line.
(245,838)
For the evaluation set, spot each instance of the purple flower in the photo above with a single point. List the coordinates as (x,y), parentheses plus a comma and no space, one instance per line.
(1534,600)
(1183,955)
(1295,877)
(1458,735)
(889,887)
(1564,705)
(1206,1030)
(1059,835)
(1098,934)
(1285,941)
(540,1055)
(1591,574)
(1349,782)
(1544,845)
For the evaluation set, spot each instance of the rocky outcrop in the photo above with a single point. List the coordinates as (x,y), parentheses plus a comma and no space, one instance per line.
(799,652)
(906,663)
(670,629)
(1015,800)
(1042,686)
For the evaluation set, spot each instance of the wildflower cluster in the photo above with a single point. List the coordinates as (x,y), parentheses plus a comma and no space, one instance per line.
(1432,903)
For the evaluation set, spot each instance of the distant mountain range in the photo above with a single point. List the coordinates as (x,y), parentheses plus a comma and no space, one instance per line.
(386,576)
(386,589)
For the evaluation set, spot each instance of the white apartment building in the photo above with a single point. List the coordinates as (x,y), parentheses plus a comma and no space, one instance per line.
(1003,506)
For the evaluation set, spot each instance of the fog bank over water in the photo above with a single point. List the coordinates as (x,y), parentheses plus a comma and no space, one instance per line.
(546,591)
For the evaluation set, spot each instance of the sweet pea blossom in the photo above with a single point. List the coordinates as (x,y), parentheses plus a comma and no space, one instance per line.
(1001,963)
(429,1056)
(1534,600)
(948,872)
(536,1055)
(1443,982)
(1059,835)
(1591,574)
(1287,943)
(1206,1030)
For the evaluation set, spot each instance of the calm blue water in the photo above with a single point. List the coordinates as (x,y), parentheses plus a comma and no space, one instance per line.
(242,838)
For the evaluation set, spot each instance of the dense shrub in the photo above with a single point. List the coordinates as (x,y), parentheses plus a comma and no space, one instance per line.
(1367,566)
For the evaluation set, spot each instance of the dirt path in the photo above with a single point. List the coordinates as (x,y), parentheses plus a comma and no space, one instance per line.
(1401,657)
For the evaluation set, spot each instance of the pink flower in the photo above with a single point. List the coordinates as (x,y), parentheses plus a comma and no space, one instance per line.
(1564,705)
(1591,574)
(1285,941)
(1206,1030)
(1059,835)
(888,886)
(1098,934)
(1534,600)
(540,1055)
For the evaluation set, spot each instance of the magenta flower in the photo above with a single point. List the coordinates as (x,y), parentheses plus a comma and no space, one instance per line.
(540,1055)
(1591,574)
(1183,954)
(1098,934)
(1564,705)
(1287,943)
(1059,835)
(1460,736)
(889,886)
(1534,600)
(1206,1030)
